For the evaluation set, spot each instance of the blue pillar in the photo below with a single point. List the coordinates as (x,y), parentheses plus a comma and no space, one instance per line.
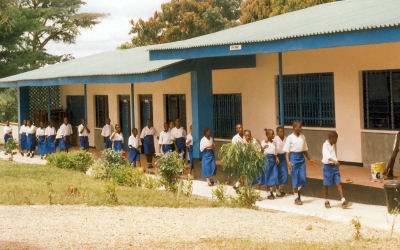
(202,103)
(85,100)
(23,104)
(132,107)
(281,113)
(48,103)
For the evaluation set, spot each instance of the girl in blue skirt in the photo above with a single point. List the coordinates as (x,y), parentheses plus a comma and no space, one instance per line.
(165,142)
(117,138)
(41,140)
(280,141)
(147,137)
(208,167)
(134,148)
(7,132)
(270,176)
(31,138)
(50,134)
(22,138)
(178,134)
(189,144)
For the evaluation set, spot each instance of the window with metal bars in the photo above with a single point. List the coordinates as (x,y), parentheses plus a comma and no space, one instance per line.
(176,108)
(227,113)
(309,98)
(381,91)
(101,102)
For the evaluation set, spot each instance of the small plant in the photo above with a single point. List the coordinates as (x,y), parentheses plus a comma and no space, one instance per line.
(170,168)
(247,196)
(357,227)
(97,170)
(110,192)
(79,160)
(112,160)
(395,214)
(50,192)
(220,193)
(187,187)
(126,176)
(10,146)
(152,182)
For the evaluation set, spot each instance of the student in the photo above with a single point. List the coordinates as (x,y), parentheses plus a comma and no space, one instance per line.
(22,138)
(208,167)
(271,171)
(178,134)
(134,148)
(165,142)
(50,134)
(83,132)
(280,140)
(330,169)
(30,138)
(7,132)
(238,138)
(296,148)
(106,133)
(66,132)
(117,138)
(147,137)
(41,140)
(189,145)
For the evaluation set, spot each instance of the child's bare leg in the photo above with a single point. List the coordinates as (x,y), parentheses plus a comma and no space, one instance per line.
(325,192)
(340,190)
(258,186)
(138,164)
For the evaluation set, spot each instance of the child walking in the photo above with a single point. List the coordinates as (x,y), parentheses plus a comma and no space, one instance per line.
(134,150)
(50,134)
(270,178)
(208,167)
(165,142)
(189,145)
(280,140)
(296,149)
(330,169)
(22,138)
(31,138)
(41,140)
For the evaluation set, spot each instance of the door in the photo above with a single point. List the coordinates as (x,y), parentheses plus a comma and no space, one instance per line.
(75,111)
(146,109)
(175,106)
(125,117)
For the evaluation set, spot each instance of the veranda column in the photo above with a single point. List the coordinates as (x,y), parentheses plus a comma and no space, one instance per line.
(132,107)
(281,111)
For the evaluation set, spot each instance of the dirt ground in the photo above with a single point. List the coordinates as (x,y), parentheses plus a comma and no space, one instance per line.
(49,227)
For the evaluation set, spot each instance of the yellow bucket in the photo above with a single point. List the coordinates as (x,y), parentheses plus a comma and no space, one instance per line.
(377,170)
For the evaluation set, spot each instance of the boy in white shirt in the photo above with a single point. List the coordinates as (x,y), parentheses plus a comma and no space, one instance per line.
(165,142)
(189,144)
(83,132)
(330,169)
(134,148)
(106,133)
(296,148)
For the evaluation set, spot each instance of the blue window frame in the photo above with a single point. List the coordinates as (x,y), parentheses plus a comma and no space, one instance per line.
(381,90)
(309,98)
(227,113)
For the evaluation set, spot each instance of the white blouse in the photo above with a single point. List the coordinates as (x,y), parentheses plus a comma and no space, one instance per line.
(66,130)
(106,131)
(85,131)
(295,143)
(147,131)
(59,134)
(22,129)
(178,133)
(165,138)
(40,132)
(189,138)
(204,143)
(237,138)
(279,144)
(30,130)
(7,129)
(50,131)
(118,137)
(328,152)
(134,141)
(271,149)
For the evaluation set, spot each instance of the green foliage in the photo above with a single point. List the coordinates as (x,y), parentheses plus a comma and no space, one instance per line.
(247,197)
(357,227)
(79,160)
(8,104)
(170,167)
(246,159)
(152,182)
(110,192)
(220,193)
(10,146)
(50,192)
(187,187)
(113,160)
(127,176)
(97,170)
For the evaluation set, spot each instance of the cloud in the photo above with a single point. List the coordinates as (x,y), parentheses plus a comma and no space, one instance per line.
(113,29)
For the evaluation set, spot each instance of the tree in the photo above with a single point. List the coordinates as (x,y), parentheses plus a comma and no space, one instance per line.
(184,19)
(254,10)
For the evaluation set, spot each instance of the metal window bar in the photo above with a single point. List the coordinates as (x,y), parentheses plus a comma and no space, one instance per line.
(227,113)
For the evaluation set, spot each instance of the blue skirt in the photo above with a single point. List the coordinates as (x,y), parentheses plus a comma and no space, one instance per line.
(7,137)
(134,156)
(148,145)
(117,146)
(22,142)
(107,142)
(83,142)
(191,156)
(67,142)
(208,167)
(167,148)
(31,142)
(181,144)
(42,145)
(282,169)
(298,169)
(50,145)
(271,173)
(61,144)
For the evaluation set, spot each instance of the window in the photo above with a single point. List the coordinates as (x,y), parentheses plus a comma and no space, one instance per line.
(146,109)
(101,102)
(309,98)
(381,91)
(175,106)
(227,113)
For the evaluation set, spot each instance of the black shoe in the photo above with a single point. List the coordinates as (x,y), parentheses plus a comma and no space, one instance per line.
(28,154)
(346,204)
(327,204)
(282,194)
(32,155)
(298,201)
(271,197)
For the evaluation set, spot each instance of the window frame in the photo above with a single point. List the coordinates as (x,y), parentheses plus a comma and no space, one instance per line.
(233,122)
(98,122)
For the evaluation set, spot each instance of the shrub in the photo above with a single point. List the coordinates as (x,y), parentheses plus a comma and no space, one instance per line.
(126,176)
(170,168)
(357,227)
(187,187)
(10,146)
(220,193)
(60,160)
(110,192)
(247,196)
(112,160)
(79,160)
(97,170)
(151,182)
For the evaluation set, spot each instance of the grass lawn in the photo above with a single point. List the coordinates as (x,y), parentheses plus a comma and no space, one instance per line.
(26,184)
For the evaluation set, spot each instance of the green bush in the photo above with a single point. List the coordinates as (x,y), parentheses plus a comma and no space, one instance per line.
(152,182)
(112,160)
(170,167)
(220,193)
(247,197)
(126,176)
(79,160)
(98,170)
(10,146)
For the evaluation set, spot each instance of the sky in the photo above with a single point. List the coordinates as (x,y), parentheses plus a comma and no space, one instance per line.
(113,29)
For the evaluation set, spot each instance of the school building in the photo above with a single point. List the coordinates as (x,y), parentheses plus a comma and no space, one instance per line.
(334,66)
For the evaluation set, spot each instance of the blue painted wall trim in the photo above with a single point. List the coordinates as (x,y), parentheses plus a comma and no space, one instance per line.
(24,103)
(376,36)
(281,111)
(202,103)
